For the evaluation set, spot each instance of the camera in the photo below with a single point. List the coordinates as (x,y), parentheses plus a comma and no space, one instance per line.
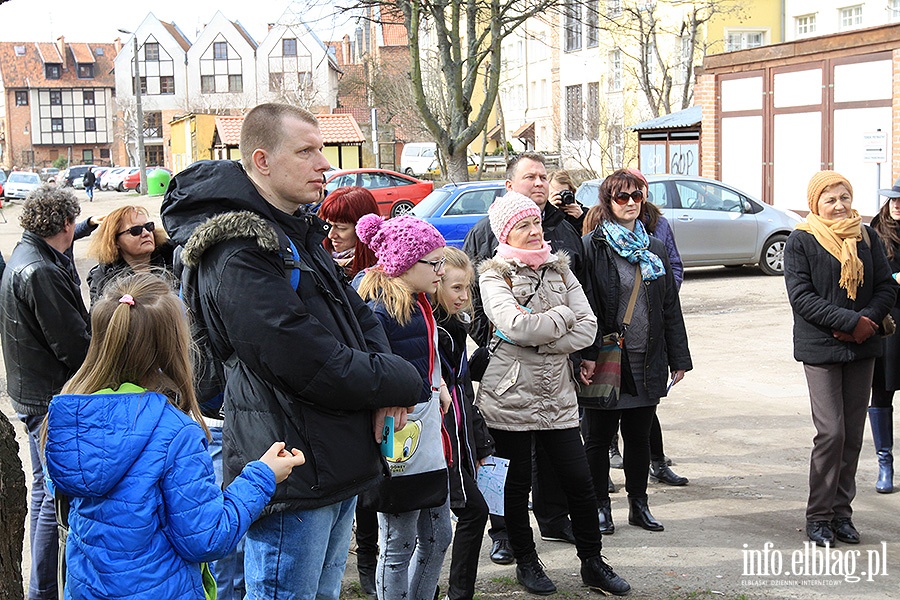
(567,197)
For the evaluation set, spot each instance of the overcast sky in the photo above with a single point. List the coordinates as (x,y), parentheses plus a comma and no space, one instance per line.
(99,20)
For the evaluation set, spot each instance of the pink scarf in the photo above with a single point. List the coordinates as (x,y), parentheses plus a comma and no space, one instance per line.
(532,258)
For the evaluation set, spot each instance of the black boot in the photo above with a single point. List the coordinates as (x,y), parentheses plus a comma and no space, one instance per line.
(639,514)
(530,573)
(615,457)
(365,566)
(660,472)
(604,511)
(595,573)
(882,422)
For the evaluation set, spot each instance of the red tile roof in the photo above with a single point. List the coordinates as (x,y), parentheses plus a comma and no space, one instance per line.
(340,129)
(172,28)
(361,113)
(82,53)
(27,71)
(229,130)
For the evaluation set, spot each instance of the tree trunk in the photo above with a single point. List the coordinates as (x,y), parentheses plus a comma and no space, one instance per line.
(457,164)
(12,513)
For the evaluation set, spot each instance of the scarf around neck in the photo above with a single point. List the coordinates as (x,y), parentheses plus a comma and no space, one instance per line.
(839,238)
(634,246)
(532,258)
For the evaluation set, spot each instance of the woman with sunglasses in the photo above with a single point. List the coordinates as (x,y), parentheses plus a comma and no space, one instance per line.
(654,341)
(127,241)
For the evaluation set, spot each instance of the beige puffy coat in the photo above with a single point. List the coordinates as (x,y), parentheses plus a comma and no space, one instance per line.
(530,384)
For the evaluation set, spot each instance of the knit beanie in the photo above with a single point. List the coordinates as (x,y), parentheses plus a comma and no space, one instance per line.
(398,243)
(819,182)
(509,209)
(639,175)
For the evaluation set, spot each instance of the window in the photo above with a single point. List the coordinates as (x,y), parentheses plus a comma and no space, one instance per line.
(703,196)
(650,61)
(87,97)
(289,47)
(56,124)
(742,40)
(20,50)
(154,155)
(687,56)
(52,70)
(143,85)
(104,152)
(592,111)
(574,121)
(85,71)
(616,148)
(21,98)
(851,17)
(98,51)
(615,70)
(472,203)
(304,79)
(573,25)
(87,157)
(894,10)
(613,8)
(151,51)
(220,50)
(235,83)
(593,23)
(806,25)
(55,98)
(167,85)
(207,84)
(90,124)
(275,81)
(153,124)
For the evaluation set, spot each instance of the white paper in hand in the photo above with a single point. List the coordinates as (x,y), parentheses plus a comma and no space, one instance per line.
(491,480)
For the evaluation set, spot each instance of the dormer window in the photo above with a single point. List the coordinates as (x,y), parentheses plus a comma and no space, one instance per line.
(19,50)
(220,50)
(85,71)
(53,70)
(289,47)
(151,51)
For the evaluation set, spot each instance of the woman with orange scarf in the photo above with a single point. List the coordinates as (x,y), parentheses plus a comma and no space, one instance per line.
(840,288)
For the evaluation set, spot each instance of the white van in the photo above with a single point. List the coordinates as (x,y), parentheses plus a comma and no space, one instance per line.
(416,157)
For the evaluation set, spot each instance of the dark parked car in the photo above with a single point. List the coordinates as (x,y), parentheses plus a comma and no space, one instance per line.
(74,176)
(456,207)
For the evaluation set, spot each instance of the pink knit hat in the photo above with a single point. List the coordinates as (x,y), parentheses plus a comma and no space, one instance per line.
(508,210)
(399,242)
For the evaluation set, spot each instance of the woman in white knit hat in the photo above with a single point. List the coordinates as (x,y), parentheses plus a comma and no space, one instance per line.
(527,394)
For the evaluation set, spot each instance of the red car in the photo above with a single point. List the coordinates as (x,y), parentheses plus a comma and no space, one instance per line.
(133,181)
(395,193)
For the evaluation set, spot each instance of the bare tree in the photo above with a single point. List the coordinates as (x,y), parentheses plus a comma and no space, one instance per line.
(125,130)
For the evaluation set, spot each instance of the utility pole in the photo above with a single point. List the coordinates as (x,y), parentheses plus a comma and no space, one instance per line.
(140,114)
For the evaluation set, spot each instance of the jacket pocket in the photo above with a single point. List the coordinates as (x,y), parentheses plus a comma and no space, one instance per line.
(509,378)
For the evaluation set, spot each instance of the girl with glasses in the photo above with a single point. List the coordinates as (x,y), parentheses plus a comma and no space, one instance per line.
(127,241)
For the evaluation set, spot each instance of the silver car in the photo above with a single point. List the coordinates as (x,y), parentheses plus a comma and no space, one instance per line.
(714,223)
(20,184)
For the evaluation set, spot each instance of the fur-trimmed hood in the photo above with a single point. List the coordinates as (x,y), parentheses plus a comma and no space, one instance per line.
(558,261)
(227,226)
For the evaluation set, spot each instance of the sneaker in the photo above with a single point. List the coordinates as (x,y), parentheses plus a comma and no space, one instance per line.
(530,573)
(596,574)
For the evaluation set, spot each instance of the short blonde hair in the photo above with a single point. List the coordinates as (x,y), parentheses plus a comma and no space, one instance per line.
(103,243)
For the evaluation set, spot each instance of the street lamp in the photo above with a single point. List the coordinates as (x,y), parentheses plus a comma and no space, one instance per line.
(140,113)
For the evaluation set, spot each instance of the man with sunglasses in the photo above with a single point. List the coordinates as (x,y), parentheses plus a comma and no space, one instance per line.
(45,339)
(527,175)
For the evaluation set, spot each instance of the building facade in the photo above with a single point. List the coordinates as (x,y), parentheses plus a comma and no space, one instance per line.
(812,18)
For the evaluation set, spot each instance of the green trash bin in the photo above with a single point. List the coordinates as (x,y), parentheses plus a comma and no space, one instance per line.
(157,182)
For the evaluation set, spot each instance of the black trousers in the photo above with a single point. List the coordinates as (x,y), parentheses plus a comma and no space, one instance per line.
(366,536)
(470,522)
(566,454)
(599,427)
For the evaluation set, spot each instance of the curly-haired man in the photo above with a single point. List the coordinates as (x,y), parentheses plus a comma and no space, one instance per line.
(45,338)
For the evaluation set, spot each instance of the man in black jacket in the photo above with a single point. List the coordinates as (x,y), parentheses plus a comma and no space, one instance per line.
(527,174)
(45,339)
(305,359)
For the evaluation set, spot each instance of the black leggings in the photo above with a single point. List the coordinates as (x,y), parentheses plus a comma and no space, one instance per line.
(599,427)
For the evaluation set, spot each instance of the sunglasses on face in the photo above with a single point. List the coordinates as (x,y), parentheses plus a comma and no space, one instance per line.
(137,230)
(622,198)
(437,265)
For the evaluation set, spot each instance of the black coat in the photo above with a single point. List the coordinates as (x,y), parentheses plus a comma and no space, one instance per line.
(306,367)
(102,274)
(820,306)
(469,437)
(887,368)
(667,344)
(480,244)
(45,326)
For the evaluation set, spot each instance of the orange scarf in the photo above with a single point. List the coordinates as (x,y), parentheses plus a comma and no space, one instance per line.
(839,238)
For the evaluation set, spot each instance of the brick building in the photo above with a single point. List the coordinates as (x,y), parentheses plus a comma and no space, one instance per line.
(57,101)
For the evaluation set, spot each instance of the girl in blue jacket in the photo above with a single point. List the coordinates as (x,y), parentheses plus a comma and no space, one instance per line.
(125,444)
(413,506)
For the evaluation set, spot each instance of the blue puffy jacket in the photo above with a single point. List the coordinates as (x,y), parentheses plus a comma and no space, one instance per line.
(144,506)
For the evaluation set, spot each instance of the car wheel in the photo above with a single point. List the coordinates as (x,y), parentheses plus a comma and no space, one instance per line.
(771,259)
(401,208)
(137,188)
(120,187)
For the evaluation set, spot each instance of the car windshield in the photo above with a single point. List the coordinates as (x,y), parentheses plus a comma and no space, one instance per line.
(24,178)
(430,203)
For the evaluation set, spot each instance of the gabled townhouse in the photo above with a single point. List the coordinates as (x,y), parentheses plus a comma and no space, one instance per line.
(162,56)
(57,101)
(222,68)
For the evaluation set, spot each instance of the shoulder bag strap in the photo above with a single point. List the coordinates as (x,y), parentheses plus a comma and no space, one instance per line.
(629,312)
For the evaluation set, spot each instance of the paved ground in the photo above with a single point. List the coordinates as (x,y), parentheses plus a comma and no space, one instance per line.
(738,426)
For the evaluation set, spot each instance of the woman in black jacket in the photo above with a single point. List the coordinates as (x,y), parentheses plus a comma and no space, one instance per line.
(840,288)
(655,343)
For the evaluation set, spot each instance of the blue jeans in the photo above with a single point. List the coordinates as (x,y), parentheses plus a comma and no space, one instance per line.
(89,190)
(43,532)
(299,554)
(229,570)
(413,545)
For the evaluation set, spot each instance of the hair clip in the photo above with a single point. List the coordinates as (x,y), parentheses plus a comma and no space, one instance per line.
(127,299)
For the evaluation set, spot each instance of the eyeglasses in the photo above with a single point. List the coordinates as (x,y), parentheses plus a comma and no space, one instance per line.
(137,230)
(622,198)
(437,265)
